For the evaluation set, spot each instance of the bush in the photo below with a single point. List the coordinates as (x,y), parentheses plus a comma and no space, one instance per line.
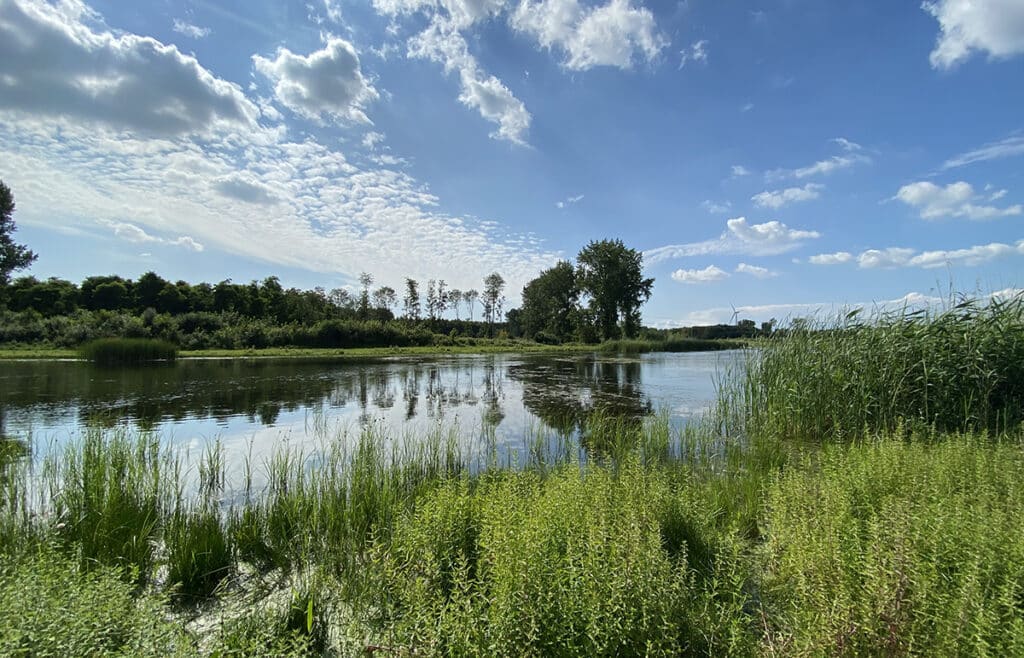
(128,351)
(50,607)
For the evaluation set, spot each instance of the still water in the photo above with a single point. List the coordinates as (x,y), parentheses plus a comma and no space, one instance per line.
(256,404)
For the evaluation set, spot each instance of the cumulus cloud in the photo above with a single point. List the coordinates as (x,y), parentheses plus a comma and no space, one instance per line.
(53,64)
(1004,148)
(697,53)
(755,271)
(442,42)
(326,83)
(740,170)
(190,30)
(133,233)
(852,154)
(954,200)
(779,198)
(615,34)
(706,275)
(995,27)
(740,237)
(838,258)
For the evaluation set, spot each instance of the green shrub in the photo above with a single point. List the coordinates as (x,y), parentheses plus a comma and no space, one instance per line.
(128,351)
(892,548)
(50,607)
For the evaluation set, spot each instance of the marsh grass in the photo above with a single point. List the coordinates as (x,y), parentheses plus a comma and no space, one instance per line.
(835,514)
(958,369)
(128,351)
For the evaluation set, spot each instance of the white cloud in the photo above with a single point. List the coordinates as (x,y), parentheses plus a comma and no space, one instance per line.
(1005,148)
(328,82)
(755,271)
(971,256)
(838,258)
(134,234)
(245,188)
(852,155)
(740,237)
(885,258)
(716,208)
(740,170)
(441,42)
(992,26)
(779,198)
(825,311)
(190,30)
(568,202)
(697,53)
(52,64)
(372,139)
(954,200)
(706,275)
(616,34)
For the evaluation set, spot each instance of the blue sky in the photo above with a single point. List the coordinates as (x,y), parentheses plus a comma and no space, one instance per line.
(770,159)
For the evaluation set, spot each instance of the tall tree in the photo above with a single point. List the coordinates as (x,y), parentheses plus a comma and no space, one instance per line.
(431,300)
(454,300)
(470,296)
(492,297)
(365,280)
(412,299)
(612,276)
(13,256)
(550,302)
(385,297)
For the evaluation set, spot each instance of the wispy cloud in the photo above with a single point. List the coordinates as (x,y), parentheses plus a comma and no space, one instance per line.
(190,30)
(1005,148)
(756,271)
(778,198)
(133,233)
(852,154)
(568,202)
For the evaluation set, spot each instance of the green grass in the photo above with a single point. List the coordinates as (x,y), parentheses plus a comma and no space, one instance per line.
(127,351)
(839,513)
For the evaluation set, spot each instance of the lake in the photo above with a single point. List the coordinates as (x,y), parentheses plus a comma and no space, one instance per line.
(252,406)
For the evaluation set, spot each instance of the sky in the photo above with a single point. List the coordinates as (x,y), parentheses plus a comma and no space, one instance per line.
(770,159)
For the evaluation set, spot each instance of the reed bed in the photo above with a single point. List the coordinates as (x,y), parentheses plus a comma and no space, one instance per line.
(957,369)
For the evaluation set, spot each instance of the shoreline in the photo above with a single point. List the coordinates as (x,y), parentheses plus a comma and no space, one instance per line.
(699,345)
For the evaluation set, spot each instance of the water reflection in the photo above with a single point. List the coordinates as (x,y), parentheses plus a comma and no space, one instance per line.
(502,395)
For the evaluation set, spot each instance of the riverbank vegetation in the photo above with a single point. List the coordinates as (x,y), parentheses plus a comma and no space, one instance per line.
(855,518)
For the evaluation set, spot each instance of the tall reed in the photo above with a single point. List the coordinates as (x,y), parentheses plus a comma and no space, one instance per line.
(957,369)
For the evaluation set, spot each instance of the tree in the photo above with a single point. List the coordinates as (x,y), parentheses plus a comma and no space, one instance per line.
(13,256)
(412,299)
(365,280)
(147,288)
(431,300)
(442,297)
(550,302)
(470,296)
(492,298)
(612,276)
(385,297)
(454,299)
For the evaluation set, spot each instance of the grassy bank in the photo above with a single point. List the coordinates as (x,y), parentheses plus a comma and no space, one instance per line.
(789,522)
(480,346)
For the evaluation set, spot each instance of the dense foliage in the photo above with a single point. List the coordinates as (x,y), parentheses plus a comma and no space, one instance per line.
(13,256)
